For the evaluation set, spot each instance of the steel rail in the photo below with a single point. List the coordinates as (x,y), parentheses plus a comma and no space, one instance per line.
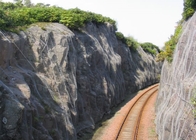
(139,118)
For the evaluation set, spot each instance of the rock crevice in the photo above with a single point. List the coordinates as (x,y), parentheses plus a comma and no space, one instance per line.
(61,82)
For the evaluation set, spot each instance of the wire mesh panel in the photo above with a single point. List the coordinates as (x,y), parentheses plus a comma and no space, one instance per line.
(175,118)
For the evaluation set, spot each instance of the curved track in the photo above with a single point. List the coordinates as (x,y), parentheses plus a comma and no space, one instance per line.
(126,125)
(131,124)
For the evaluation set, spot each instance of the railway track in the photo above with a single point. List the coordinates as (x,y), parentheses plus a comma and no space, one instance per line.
(127,123)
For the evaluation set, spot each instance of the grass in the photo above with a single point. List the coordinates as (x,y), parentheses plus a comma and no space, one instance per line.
(42,25)
(152,134)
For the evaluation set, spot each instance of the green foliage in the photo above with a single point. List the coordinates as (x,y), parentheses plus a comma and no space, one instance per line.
(76,18)
(150,48)
(170,45)
(193,102)
(40,5)
(188,13)
(132,43)
(129,41)
(3,22)
(73,18)
(8,6)
(121,37)
(189,8)
(17,14)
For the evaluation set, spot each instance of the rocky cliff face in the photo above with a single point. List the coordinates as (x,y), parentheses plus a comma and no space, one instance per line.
(55,83)
(175,119)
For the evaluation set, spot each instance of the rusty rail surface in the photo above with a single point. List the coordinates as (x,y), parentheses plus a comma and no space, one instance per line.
(131,123)
(125,124)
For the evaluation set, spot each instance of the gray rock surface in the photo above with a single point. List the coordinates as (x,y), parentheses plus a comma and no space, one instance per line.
(175,119)
(57,83)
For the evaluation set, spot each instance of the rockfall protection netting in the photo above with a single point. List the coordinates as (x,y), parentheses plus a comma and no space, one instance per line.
(64,81)
(38,81)
(175,119)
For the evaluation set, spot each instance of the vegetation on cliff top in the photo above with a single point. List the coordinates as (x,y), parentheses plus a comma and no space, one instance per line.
(189,8)
(150,48)
(18,14)
(170,45)
(129,41)
(133,44)
(14,16)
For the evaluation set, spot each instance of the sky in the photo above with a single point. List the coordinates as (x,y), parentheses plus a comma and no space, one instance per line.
(145,20)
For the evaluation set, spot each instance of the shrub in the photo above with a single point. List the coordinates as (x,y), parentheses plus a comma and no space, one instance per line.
(73,19)
(132,43)
(170,45)
(129,41)
(13,15)
(193,102)
(189,8)
(150,48)
(121,37)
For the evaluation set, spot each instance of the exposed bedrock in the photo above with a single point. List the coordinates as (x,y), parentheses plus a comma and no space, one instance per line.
(175,108)
(56,83)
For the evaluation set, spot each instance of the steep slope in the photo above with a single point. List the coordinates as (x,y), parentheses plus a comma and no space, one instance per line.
(55,82)
(175,119)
